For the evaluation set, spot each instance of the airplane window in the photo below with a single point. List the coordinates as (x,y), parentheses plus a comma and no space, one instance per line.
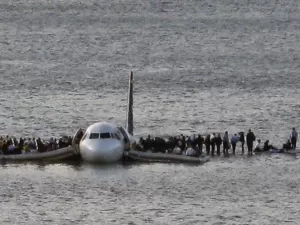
(115,136)
(105,135)
(94,136)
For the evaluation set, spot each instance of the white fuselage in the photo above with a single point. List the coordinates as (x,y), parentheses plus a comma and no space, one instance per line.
(105,142)
(102,143)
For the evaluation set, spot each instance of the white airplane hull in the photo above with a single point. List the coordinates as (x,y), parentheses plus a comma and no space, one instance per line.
(104,142)
(106,151)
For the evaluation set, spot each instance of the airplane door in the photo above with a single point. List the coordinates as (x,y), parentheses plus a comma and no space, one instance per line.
(76,139)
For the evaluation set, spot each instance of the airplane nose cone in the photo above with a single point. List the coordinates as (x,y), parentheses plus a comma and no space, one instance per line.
(102,151)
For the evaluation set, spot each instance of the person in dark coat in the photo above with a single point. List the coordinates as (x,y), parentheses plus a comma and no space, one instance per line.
(294,137)
(40,145)
(200,142)
(218,141)
(148,144)
(159,145)
(194,141)
(79,137)
(268,147)
(60,143)
(183,142)
(242,140)
(287,145)
(226,144)
(141,145)
(207,144)
(250,139)
(21,143)
(213,143)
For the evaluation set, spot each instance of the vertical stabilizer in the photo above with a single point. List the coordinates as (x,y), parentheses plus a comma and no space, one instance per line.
(129,125)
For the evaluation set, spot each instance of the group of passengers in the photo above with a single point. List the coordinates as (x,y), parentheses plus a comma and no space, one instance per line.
(211,143)
(12,145)
(289,145)
(181,145)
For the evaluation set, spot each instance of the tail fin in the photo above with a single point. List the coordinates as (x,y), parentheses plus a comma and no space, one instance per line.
(129,125)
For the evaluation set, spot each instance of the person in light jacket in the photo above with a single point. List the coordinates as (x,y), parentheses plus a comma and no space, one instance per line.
(234,140)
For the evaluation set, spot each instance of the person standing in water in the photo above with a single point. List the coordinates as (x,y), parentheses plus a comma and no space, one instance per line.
(294,137)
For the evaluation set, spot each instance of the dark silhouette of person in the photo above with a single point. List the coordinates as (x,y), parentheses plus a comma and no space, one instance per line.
(287,145)
(183,143)
(268,147)
(40,145)
(250,139)
(225,144)
(207,144)
(213,143)
(218,141)
(79,137)
(200,142)
(242,140)
(21,144)
(148,144)
(294,137)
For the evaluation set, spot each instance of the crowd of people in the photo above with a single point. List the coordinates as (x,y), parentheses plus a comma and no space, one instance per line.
(212,144)
(194,145)
(12,145)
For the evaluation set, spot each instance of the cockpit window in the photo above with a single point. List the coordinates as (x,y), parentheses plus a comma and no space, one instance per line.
(115,136)
(105,135)
(94,136)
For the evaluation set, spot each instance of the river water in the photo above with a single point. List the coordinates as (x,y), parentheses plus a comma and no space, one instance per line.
(199,66)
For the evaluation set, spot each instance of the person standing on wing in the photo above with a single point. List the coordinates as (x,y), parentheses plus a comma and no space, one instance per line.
(225,144)
(250,139)
(218,144)
(242,140)
(234,140)
(294,137)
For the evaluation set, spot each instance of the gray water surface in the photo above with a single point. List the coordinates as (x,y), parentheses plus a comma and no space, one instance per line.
(199,66)
(240,190)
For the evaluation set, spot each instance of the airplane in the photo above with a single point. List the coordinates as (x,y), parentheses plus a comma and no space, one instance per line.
(105,142)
